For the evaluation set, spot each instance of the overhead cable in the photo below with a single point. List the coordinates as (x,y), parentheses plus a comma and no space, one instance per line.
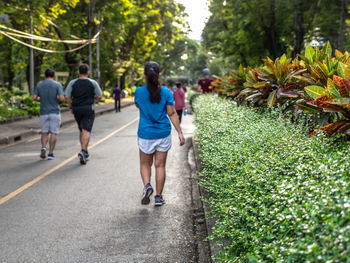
(48,50)
(40,38)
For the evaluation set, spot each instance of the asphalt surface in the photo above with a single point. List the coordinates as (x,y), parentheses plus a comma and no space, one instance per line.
(93,213)
(18,131)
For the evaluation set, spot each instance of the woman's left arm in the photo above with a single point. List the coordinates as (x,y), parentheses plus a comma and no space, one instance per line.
(175,121)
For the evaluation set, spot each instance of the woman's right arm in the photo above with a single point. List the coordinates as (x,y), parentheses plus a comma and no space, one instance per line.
(175,121)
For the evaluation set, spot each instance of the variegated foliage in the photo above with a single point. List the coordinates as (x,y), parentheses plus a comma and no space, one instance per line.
(316,82)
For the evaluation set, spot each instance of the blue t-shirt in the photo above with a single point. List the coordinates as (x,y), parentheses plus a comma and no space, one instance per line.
(154,122)
(48,90)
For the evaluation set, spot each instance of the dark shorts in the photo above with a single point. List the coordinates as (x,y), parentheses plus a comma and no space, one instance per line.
(179,113)
(84,117)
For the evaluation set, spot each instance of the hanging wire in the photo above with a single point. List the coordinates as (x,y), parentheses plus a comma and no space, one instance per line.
(93,40)
(40,38)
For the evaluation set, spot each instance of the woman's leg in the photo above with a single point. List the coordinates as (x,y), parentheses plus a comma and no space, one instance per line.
(160,162)
(146,161)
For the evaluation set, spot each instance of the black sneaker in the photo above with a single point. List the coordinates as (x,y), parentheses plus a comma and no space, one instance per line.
(82,157)
(158,200)
(147,192)
(43,153)
(50,156)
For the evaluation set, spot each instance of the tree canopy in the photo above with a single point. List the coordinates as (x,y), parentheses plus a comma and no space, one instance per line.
(132,32)
(242,32)
(136,31)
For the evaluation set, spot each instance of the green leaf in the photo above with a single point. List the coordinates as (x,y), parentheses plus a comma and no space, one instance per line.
(309,54)
(253,96)
(294,73)
(341,101)
(333,88)
(271,100)
(283,59)
(259,85)
(291,95)
(340,69)
(346,72)
(315,91)
(241,69)
(308,108)
(304,79)
(327,49)
(303,58)
(324,69)
(246,91)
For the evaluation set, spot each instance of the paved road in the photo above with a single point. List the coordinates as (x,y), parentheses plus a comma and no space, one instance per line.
(93,213)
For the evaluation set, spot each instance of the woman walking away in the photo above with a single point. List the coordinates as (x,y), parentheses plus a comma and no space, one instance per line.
(155,104)
(179,97)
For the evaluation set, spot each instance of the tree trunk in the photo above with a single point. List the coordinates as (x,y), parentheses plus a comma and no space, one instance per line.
(122,80)
(10,73)
(38,61)
(70,58)
(299,29)
(273,36)
(72,70)
(271,31)
(243,58)
(343,13)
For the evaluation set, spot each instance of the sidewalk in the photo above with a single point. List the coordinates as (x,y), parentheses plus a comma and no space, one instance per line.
(14,132)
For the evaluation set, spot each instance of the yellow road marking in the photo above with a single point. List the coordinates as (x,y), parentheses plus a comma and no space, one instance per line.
(37,179)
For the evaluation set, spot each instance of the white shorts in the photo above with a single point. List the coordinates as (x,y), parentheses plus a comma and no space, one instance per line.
(50,123)
(151,146)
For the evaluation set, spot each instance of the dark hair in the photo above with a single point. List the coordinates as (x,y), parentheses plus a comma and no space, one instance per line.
(178,85)
(83,69)
(49,73)
(152,77)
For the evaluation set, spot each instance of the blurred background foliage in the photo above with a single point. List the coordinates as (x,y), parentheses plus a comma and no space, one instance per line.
(243,32)
(136,31)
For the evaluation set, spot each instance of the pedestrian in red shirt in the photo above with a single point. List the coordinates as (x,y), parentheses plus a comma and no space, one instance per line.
(205,83)
(179,98)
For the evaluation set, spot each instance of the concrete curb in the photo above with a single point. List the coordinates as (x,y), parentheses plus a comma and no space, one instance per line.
(18,137)
(199,222)
(209,221)
(21,118)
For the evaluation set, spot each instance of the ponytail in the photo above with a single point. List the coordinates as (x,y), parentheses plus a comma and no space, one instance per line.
(152,77)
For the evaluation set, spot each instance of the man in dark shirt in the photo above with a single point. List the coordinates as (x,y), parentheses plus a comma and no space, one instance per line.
(81,94)
(205,83)
(116,95)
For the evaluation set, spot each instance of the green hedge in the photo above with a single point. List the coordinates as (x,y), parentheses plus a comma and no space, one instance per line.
(278,195)
(10,112)
(192,95)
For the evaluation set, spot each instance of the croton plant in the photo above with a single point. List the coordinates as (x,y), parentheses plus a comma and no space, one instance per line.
(315,82)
